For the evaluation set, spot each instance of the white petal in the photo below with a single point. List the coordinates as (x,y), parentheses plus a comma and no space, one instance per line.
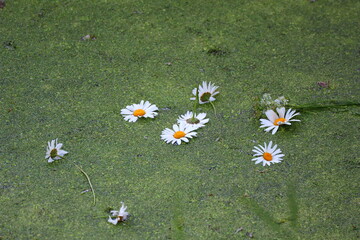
(126,111)
(62,152)
(52,145)
(201,116)
(269,128)
(146,105)
(131,108)
(275,129)
(114,213)
(277,151)
(184,139)
(266,123)
(113,221)
(176,128)
(271,115)
(194,92)
(131,118)
(151,108)
(257,153)
(281,112)
(58,146)
(258,149)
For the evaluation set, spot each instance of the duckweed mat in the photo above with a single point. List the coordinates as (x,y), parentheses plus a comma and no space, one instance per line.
(67,68)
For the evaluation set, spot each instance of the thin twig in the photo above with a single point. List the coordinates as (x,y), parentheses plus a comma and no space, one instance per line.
(92,189)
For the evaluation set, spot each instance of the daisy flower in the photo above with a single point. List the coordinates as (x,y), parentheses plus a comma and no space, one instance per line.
(206,92)
(53,151)
(267,154)
(179,133)
(120,215)
(133,112)
(275,120)
(195,120)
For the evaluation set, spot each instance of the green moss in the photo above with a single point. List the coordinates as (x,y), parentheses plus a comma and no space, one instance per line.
(55,85)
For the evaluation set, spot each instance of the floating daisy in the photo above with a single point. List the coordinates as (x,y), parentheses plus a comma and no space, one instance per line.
(195,120)
(132,112)
(54,152)
(206,92)
(267,154)
(275,120)
(179,133)
(120,215)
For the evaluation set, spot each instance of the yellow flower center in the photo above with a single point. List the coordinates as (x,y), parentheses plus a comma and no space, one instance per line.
(276,122)
(139,113)
(53,153)
(267,156)
(179,134)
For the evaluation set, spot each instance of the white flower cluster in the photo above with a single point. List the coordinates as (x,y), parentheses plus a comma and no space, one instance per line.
(181,132)
(186,124)
(268,103)
(186,127)
(190,121)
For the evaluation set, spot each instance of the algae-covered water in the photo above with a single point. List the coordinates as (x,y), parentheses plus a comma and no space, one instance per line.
(56,85)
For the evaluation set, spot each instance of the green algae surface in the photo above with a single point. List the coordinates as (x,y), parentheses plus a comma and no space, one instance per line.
(56,85)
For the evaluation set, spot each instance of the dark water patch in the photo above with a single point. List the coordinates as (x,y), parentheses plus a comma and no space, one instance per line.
(10,45)
(217,52)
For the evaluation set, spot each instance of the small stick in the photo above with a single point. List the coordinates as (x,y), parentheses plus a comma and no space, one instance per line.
(92,189)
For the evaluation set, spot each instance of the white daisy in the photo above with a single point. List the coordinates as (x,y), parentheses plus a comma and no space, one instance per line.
(207,91)
(267,154)
(120,215)
(275,120)
(195,120)
(179,133)
(53,151)
(133,112)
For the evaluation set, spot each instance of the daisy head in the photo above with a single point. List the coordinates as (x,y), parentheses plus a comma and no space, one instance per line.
(54,151)
(277,119)
(195,120)
(267,154)
(179,133)
(144,109)
(120,216)
(206,92)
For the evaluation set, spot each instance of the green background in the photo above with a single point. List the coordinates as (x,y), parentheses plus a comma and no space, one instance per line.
(54,85)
